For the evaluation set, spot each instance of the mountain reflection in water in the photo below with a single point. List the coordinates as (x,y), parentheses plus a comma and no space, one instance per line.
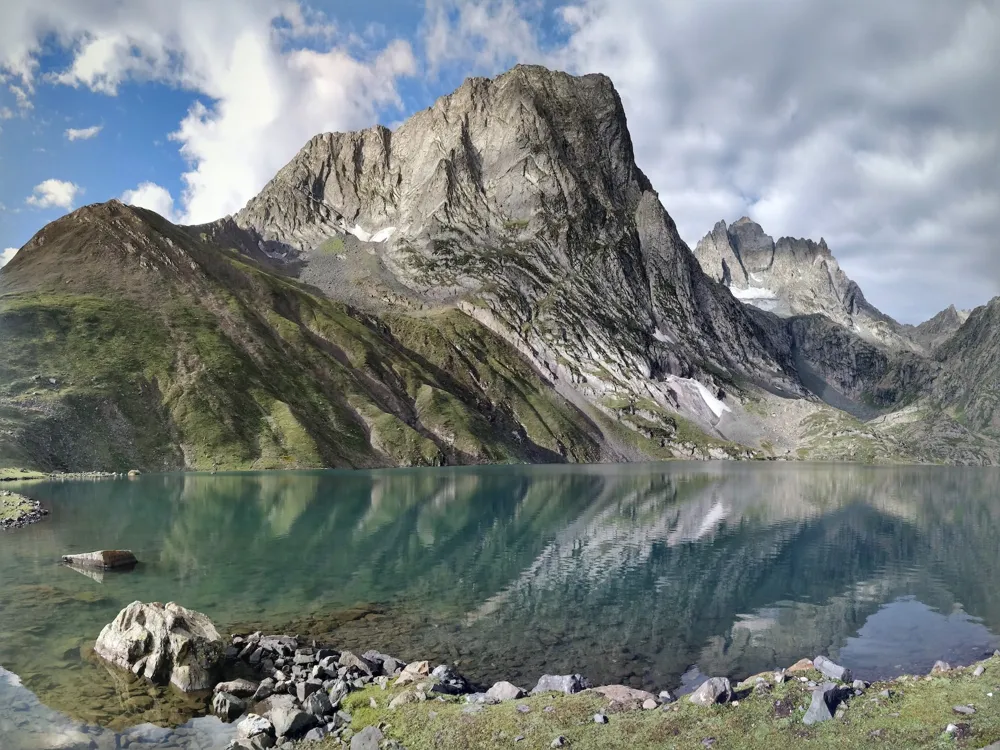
(629,574)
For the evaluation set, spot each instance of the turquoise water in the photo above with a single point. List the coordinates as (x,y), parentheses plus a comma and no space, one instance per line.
(644,574)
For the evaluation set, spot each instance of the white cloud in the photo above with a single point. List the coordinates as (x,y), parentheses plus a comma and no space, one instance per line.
(54,194)
(263,91)
(152,196)
(7,256)
(83,134)
(875,129)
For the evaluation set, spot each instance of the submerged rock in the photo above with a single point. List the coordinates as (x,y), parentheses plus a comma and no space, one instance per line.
(105,559)
(711,691)
(164,643)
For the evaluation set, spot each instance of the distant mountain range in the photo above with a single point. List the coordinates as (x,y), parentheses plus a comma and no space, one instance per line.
(493,281)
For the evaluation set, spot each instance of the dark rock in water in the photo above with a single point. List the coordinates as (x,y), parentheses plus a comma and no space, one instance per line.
(164,643)
(107,559)
(227,706)
(824,703)
(291,722)
(711,691)
(569,683)
(831,670)
(367,739)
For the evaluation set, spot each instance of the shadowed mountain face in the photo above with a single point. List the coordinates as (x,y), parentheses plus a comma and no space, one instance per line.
(625,573)
(494,281)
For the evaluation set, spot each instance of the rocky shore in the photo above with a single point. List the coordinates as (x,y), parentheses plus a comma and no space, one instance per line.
(17,511)
(280,691)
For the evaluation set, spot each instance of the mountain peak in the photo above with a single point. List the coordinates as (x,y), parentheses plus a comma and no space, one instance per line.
(790,277)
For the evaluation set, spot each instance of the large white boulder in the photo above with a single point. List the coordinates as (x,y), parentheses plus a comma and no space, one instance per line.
(164,643)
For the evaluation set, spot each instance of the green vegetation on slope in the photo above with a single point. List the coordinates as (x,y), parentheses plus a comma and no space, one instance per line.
(183,355)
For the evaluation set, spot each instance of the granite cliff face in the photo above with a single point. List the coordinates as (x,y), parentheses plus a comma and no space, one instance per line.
(495,280)
(792,277)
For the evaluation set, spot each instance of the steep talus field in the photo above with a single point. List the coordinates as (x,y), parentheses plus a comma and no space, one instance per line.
(493,281)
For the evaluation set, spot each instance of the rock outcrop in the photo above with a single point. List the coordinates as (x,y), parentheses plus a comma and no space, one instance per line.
(792,277)
(108,559)
(164,643)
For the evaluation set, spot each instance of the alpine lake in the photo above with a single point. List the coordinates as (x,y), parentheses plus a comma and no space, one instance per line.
(649,575)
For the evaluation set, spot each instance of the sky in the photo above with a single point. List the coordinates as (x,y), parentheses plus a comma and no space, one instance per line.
(871,125)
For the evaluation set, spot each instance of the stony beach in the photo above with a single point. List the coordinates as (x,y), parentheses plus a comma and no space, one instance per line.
(282,691)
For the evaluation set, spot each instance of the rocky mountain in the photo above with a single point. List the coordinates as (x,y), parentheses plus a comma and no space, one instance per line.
(792,277)
(932,333)
(495,280)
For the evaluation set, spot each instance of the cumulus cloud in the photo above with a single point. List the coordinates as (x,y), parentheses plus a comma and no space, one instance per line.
(875,129)
(54,194)
(262,90)
(82,134)
(152,196)
(6,256)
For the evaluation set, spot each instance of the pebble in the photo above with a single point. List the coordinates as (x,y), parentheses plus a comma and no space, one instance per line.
(559,741)
(600,719)
(979,671)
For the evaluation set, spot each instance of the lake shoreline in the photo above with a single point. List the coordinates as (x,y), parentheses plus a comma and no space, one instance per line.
(18,511)
(375,698)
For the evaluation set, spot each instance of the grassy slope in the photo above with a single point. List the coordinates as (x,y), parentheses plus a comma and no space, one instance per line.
(230,366)
(13,506)
(915,715)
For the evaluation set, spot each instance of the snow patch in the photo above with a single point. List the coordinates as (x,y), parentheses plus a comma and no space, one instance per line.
(753,292)
(711,401)
(380,236)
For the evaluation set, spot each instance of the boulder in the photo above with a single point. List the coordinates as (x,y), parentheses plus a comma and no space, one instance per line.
(291,722)
(622,694)
(367,739)
(824,703)
(831,670)
(802,665)
(711,691)
(227,706)
(318,704)
(449,681)
(350,660)
(105,559)
(254,725)
(239,688)
(164,643)
(567,683)
(504,691)
(940,667)
(414,672)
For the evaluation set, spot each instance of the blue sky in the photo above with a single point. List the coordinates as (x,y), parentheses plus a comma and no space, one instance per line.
(875,130)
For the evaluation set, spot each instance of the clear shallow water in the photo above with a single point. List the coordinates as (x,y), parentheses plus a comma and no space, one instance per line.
(642,574)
